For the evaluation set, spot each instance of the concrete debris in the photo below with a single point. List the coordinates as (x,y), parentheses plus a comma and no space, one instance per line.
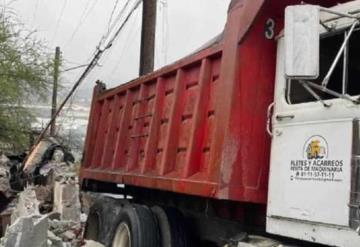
(91,243)
(27,231)
(56,168)
(27,204)
(61,228)
(46,151)
(47,213)
(44,195)
(254,241)
(5,188)
(4,160)
(54,240)
(66,198)
(69,235)
(69,232)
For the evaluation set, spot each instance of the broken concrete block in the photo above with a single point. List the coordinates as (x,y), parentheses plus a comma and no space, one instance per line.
(40,229)
(58,156)
(27,231)
(27,204)
(66,201)
(55,240)
(69,235)
(91,243)
(4,160)
(58,227)
(5,188)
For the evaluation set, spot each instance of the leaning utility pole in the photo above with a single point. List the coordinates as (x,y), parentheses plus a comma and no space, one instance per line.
(147,51)
(55,89)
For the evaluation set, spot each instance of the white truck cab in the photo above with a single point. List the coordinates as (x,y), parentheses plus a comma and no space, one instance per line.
(314,186)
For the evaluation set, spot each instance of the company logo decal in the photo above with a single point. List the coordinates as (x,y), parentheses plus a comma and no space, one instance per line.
(316,163)
(316,148)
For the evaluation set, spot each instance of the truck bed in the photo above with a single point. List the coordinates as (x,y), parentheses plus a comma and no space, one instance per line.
(197,126)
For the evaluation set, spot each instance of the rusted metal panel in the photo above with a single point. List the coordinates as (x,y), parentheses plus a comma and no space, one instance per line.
(197,126)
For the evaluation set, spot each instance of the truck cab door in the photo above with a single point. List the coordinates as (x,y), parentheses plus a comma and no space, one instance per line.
(314,166)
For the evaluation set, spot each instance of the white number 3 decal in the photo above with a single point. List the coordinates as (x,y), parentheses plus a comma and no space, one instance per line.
(270,28)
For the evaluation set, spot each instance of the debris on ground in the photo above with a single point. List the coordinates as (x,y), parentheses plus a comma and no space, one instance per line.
(5,188)
(30,230)
(47,150)
(27,205)
(47,212)
(66,197)
(91,243)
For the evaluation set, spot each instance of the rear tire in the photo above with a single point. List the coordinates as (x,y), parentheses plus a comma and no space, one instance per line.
(94,222)
(101,221)
(172,227)
(136,226)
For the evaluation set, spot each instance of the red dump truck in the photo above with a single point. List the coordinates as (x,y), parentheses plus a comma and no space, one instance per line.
(255,135)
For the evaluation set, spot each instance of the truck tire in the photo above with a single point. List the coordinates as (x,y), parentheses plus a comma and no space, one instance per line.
(172,227)
(102,219)
(136,226)
(94,222)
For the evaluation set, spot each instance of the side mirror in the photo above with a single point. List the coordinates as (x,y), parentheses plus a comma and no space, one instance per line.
(302,41)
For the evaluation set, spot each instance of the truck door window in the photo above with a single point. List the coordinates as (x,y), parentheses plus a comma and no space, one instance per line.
(344,78)
(353,83)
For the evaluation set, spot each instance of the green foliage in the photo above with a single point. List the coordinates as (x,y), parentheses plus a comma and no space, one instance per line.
(25,72)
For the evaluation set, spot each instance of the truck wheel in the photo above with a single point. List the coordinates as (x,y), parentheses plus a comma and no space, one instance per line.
(172,227)
(93,223)
(102,219)
(136,227)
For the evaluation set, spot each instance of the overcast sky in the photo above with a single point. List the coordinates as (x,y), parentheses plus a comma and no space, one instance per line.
(78,25)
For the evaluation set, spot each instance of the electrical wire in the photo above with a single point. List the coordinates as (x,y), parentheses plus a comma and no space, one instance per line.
(112,14)
(94,61)
(130,40)
(87,10)
(115,24)
(118,18)
(59,19)
(112,27)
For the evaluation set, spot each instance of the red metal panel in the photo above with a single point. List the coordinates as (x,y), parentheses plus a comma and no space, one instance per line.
(197,126)
(170,148)
(151,146)
(109,146)
(135,134)
(101,133)
(192,163)
(120,146)
(92,127)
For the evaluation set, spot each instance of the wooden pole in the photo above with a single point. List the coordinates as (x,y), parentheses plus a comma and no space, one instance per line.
(148,32)
(55,89)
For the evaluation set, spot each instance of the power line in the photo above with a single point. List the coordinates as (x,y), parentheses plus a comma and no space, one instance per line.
(118,18)
(87,10)
(137,2)
(112,14)
(99,52)
(111,28)
(59,19)
(130,40)
(76,67)
(128,34)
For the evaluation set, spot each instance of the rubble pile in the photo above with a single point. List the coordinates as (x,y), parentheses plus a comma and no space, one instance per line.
(31,228)
(47,212)
(5,188)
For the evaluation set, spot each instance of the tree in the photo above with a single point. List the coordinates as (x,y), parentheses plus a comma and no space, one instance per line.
(25,72)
